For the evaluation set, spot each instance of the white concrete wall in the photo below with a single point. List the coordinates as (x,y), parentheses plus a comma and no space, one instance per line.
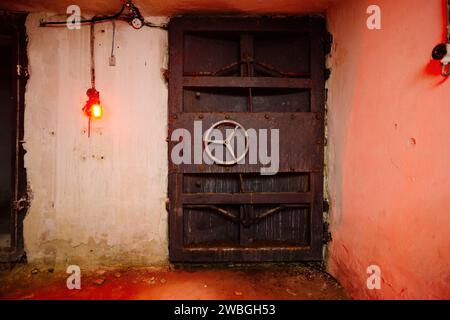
(99,199)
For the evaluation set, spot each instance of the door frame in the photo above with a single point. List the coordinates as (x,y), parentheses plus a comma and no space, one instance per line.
(12,29)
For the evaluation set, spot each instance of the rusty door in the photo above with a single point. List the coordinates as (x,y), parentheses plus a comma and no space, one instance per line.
(263,73)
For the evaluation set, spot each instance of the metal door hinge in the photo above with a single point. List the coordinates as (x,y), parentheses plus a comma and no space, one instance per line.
(326,233)
(327,73)
(22,72)
(326,206)
(21,204)
(168,204)
(165,74)
(328,43)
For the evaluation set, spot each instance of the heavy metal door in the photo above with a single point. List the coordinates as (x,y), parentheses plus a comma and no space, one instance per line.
(259,73)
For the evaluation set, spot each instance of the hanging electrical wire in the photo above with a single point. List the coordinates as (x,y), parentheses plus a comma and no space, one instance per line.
(93,108)
(112,58)
(92,46)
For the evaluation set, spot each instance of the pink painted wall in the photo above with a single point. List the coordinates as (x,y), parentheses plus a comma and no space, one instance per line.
(389,150)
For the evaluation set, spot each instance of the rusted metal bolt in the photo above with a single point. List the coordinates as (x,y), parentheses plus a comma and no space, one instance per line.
(318,117)
(266,116)
(227,117)
(175,116)
(200,116)
(197,95)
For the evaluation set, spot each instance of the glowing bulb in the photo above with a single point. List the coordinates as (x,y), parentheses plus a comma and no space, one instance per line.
(97,111)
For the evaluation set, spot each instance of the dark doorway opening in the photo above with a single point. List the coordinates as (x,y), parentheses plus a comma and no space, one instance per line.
(13,76)
(6,142)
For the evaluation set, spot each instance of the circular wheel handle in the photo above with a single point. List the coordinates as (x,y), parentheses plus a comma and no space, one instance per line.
(439,52)
(227,142)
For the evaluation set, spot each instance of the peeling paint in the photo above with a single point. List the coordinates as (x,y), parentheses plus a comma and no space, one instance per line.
(99,253)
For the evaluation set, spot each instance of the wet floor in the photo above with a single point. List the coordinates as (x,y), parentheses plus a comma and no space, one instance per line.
(216,283)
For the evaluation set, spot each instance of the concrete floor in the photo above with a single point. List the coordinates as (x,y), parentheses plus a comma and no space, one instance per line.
(236,283)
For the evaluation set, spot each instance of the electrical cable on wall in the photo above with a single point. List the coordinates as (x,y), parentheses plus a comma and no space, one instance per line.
(112,58)
(134,18)
(92,20)
(92,43)
(93,109)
